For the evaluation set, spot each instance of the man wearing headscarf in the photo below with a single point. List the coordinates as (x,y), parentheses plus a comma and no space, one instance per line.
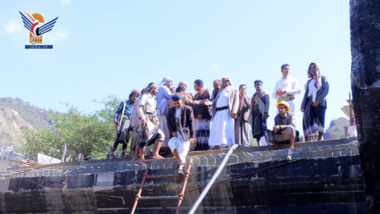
(163,96)
(135,123)
(152,134)
(314,103)
(217,86)
(183,83)
(224,111)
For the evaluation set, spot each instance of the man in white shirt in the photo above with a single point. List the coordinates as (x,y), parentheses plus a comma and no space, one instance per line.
(286,88)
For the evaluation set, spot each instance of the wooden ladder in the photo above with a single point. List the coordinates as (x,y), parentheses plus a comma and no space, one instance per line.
(146,176)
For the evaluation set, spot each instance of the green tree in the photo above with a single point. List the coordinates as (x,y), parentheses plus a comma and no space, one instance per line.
(88,134)
(111,103)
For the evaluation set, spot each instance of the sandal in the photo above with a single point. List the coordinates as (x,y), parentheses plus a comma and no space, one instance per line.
(180,169)
(290,154)
(181,172)
(112,156)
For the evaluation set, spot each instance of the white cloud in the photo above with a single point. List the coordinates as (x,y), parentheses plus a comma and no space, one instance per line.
(216,67)
(14,29)
(65,2)
(56,35)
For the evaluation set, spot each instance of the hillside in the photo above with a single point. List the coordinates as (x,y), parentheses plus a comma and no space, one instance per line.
(336,129)
(16,115)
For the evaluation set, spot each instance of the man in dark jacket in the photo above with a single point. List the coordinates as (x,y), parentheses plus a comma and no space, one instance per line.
(181,127)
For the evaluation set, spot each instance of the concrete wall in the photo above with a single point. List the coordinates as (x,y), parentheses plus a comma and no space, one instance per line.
(365,80)
(323,177)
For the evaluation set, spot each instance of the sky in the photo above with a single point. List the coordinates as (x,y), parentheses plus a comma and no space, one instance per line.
(104,48)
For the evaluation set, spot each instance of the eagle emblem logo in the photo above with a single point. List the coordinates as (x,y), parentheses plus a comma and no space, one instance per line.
(33,25)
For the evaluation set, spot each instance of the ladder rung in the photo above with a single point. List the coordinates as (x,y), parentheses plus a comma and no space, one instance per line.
(179,197)
(158,197)
(164,176)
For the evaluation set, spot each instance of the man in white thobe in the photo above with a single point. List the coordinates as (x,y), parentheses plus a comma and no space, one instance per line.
(225,107)
(286,88)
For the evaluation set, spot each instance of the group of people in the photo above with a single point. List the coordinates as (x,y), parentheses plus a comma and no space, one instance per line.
(177,121)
